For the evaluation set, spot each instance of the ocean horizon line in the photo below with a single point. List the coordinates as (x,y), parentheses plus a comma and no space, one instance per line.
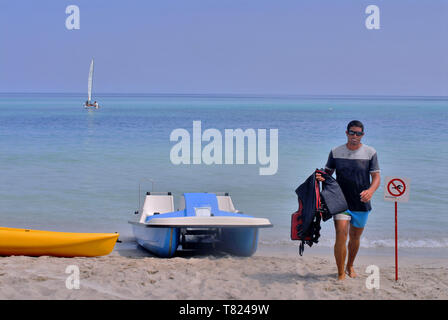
(228,95)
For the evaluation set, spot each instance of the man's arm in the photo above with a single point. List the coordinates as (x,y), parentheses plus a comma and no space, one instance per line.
(330,164)
(366,195)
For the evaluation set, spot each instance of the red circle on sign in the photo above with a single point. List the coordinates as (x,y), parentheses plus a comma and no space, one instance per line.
(400,192)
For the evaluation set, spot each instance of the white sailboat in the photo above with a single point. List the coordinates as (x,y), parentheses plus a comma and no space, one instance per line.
(88,103)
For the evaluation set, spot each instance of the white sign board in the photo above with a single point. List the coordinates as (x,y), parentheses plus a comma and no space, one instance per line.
(397,189)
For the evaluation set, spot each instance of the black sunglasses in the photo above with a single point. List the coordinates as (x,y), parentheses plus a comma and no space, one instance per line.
(358,133)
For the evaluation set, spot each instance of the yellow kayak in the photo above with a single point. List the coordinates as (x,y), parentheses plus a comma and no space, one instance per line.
(60,244)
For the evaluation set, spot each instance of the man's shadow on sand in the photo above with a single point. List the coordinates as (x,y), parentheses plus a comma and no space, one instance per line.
(290,277)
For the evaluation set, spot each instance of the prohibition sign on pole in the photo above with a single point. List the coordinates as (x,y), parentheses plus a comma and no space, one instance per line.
(396,189)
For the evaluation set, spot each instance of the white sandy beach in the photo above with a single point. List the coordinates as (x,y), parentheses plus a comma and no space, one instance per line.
(133,274)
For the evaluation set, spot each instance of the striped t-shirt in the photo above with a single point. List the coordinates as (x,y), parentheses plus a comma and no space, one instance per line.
(353,168)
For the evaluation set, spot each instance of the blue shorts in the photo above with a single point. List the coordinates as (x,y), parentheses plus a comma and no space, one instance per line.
(357,218)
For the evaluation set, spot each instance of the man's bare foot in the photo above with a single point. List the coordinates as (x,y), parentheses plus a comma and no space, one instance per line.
(341,276)
(351,272)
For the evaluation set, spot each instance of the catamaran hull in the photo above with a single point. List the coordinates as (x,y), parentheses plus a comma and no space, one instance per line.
(239,241)
(163,242)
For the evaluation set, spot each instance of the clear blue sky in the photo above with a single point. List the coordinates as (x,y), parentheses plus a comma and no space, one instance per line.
(226,46)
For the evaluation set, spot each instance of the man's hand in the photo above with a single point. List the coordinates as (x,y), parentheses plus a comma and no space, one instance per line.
(366,195)
(319,176)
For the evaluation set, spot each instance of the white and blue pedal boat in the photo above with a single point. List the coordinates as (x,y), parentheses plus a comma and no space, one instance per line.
(204,220)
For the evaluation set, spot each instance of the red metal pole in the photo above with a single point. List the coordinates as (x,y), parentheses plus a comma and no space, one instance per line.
(396,244)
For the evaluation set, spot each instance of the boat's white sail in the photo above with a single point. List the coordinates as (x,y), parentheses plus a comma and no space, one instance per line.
(90,82)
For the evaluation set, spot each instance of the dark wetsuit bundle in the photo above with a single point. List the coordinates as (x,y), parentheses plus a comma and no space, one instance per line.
(315,205)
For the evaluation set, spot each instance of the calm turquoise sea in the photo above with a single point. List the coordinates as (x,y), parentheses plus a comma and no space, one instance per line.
(64,168)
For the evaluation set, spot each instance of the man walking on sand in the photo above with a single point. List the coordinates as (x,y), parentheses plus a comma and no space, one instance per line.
(354,163)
